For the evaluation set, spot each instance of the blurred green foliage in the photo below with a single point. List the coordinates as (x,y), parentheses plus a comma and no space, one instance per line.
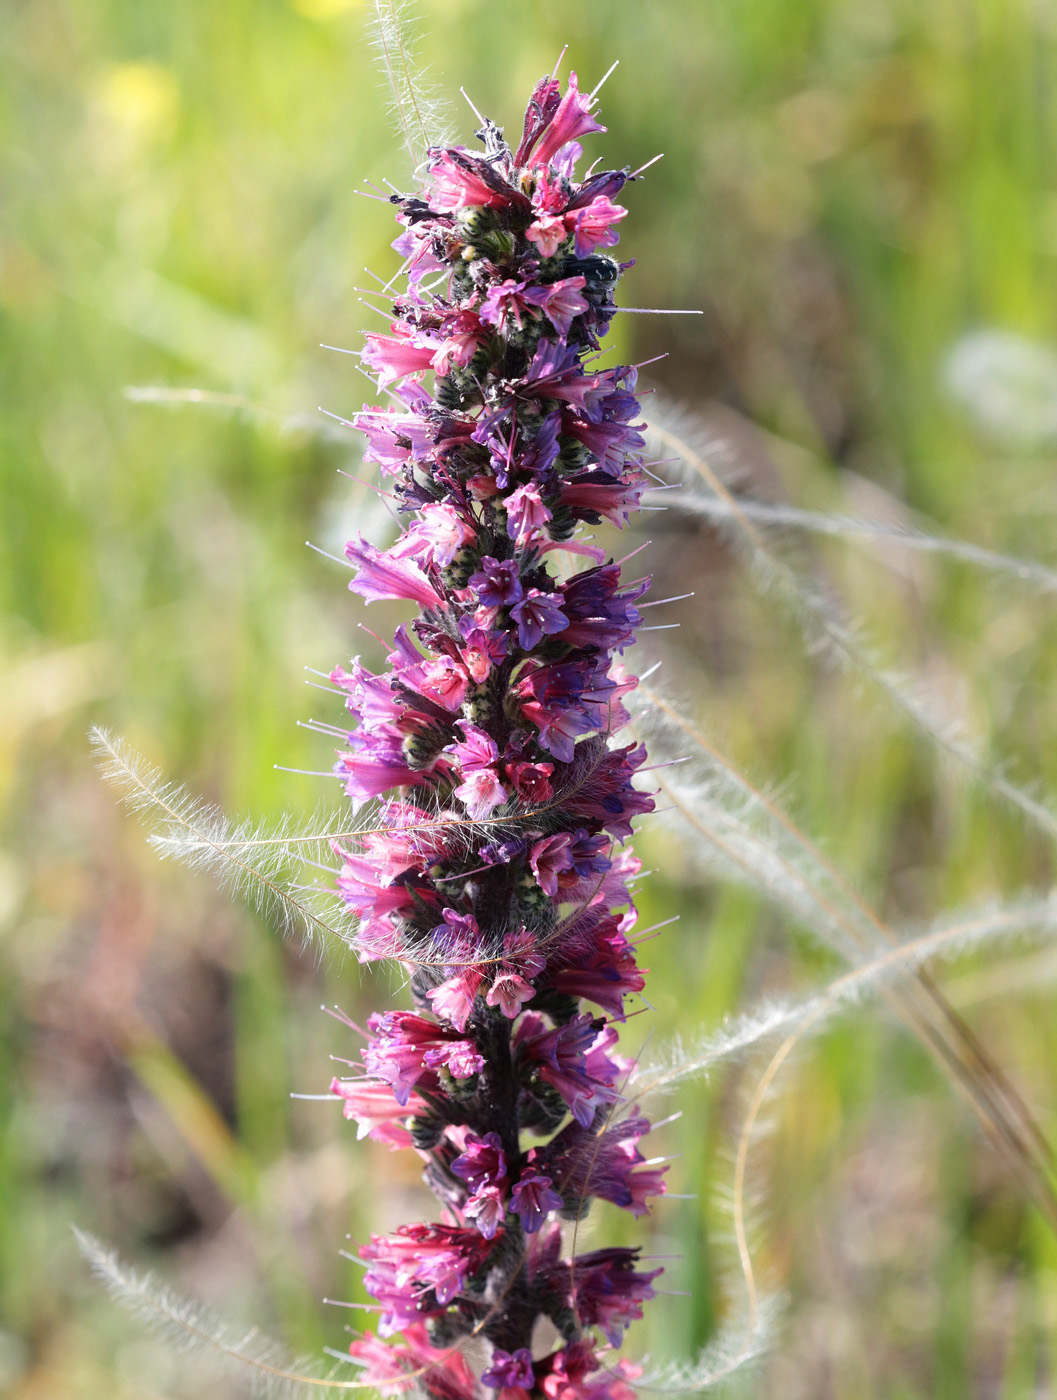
(850,189)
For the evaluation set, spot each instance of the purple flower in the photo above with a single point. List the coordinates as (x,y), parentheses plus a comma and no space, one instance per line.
(606,1163)
(509,1370)
(572,1059)
(533,1198)
(561,302)
(608,1291)
(497,584)
(538,615)
(481,1162)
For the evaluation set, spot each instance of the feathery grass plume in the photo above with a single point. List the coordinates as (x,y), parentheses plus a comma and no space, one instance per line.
(966,932)
(748,838)
(745,1334)
(244,1351)
(420,113)
(849,527)
(238,406)
(243,858)
(822,623)
(726,1364)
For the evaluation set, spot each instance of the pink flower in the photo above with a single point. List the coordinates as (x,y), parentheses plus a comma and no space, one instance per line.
(551,194)
(393,438)
(442,1374)
(504,692)
(525,512)
(393,356)
(486,1209)
(572,118)
(507,303)
(593,226)
(453,1000)
(477,749)
(531,781)
(381,576)
(481,792)
(481,651)
(509,991)
(512,985)
(549,858)
(417,1263)
(438,535)
(374,1108)
(404,1046)
(548,232)
(441,681)
(462,336)
(458,179)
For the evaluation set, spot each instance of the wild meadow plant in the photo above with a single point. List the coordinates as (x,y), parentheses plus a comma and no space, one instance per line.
(495,769)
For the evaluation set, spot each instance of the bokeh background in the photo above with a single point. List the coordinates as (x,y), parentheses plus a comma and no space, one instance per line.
(861,197)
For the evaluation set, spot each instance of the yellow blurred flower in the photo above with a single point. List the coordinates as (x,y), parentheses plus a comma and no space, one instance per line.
(324,9)
(139,101)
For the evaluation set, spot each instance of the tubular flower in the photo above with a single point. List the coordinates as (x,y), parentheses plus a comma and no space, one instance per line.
(494,867)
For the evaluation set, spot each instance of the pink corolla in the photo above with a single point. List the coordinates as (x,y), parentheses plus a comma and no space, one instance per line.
(394,356)
(376,1111)
(593,226)
(387,576)
(572,118)
(458,179)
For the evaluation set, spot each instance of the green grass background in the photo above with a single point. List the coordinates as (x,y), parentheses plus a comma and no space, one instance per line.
(849,188)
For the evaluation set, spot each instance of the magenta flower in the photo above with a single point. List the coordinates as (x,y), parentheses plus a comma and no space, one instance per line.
(492,867)
(388,576)
(394,356)
(570,119)
(592,226)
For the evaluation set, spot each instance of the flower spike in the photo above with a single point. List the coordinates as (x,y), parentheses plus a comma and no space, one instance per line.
(496,870)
